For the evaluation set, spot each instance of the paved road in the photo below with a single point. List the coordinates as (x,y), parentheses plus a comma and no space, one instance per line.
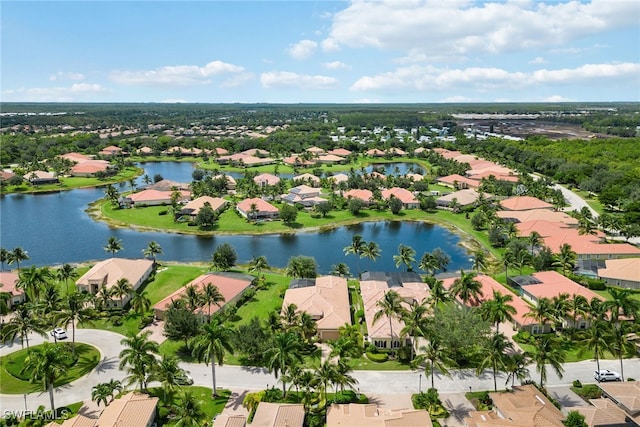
(246,378)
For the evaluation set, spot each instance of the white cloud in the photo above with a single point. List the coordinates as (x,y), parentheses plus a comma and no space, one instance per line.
(425,78)
(557,98)
(336,65)
(75,92)
(177,75)
(538,60)
(303,49)
(60,75)
(452,28)
(459,98)
(285,79)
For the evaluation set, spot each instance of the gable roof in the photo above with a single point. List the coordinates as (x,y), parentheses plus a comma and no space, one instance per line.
(194,206)
(627,269)
(131,410)
(527,406)
(278,415)
(524,203)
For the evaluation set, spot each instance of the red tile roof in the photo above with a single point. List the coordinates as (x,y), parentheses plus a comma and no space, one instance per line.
(524,203)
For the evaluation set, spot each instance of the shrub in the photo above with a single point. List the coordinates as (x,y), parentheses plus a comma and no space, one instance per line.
(577,383)
(523,337)
(378,357)
(404,354)
(371,348)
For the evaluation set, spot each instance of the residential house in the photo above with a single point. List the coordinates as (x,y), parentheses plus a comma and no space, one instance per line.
(9,280)
(543,227)
(263,209)
(144,151)
(192,208)
(226,420)
(363,194)
(298,162)
(303,195)
(252,157)
(230,285)
(396,151)
(219,151)
(153,198)
(604,412)
(342,152)
(278,415)
(374,152)
(41,178)
(590,247)
(75,157)
(326,301)
(415,177)
(524,203)
(373,287)
(624,273)
(338,178)
(409,201)
(307,178)
(316,151)
(331,159)
(538,214)
(463,198)
(107,273)
(90,168)
(231,182)
(77,421)
(371,415)
(168,185)
(626,395)
(6,175)
(524,406)
(131,410)
(458,182)
(111,151)
(490,174)
(266,179)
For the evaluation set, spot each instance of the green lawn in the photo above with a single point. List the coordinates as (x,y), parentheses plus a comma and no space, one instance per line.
(574,354)
(265,301)
(169,278)
(11,365)
(364,364)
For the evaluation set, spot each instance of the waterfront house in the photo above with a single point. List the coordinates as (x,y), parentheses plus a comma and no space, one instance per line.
(303,195)
(463,198)
(363,194)
(153,198)
(307,178)
(192,208)
(374,152)
(41,178)
(9,280)
(407,198)
(266,179)
(231,182)
(111,151)
(263,209)
(326,300)
(624,272)
(524,203)
(89,168)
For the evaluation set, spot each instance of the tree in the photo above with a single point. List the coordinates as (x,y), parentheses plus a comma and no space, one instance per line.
(479,260)
(112,194)
(542,312)
(288,214)
(323,208)
(355,206)
(414,319)
(428,263)
(516,367)
(113,245)
(138,358)
(206,217)
(75,310)
(575,419)
(344,347)
(302,267)
(181,324)
(441,259)
(566,258)
(188,411)
(224,257)
(285,351)
(210,346)
(619,343)
(326,374)
(549,350)
(596,338)
(439,294)
(101,393)
(211,295)
(32,280)
(534,239)
(168,373)
(406,256)
(467,288)
(391,307)
(395,205)
(122,289)
(341,269)
(356,248)
(258,264)
(498,309)
(22,324)
(495,356)
(437,355)
(370,250)
(4,257)
(152,250)
(140,302)
(623,303)
(47,363)
(66,272)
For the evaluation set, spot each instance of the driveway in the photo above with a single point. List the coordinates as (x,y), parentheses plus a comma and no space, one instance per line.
(567,398)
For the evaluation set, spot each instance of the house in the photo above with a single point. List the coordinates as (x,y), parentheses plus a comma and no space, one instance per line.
(463,198)
(252,157)
(41,178)
(626,395)
(373,287)
(192,208)
(524,203)
(153,198)
(371,415)
(624,272)
(231,182)
(338,178)
(230,285)
(226,420)
(407,198)
(9,280)
(112,150)
(342,152)
(303,195)
(589,247)
(219,151)
(538,214)
(297,161)
(107,273)
(278,415)
(75,157)
(363,194)
(6,175)
(397,151)
(90,168)
(374,152)
(458,182)
(77,421)
(168,185)
(524,406)
(543,227)
(326,301)
(604,412)
(266,179)
(131,410)
(263,209)
(144,151)
(490,174)
(316,151)
(331,159)
(307,178)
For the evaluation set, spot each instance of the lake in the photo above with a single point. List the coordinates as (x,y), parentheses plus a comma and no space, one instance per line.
(55,229)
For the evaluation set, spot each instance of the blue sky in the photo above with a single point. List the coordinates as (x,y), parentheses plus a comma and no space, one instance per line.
(386,51)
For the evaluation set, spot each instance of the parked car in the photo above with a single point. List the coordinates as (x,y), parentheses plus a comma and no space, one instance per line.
(59,334)
(607,375)
(184,379)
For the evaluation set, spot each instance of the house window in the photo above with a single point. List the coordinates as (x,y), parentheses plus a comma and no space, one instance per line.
(535,329)
(583,325)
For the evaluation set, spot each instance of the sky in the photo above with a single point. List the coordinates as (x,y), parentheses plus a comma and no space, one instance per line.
(360,51)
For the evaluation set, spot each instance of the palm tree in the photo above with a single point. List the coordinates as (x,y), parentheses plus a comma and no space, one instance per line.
(211,295)
(508,259)
(406,255)
(566,258)
(168,373)
(542,312)
(371,250)
(437,356)
(47,363)
(101,393)
(467,288)
(66,272)
(356,247)
(479,260)
(113,245)
(285,351)
(549,350)
(306,326)
(351,331)
(210,346)
(22,324)
(290,315)
(140,302)
(122,289)
(560,305)
(414,319)
(622,303)
(344,347)
(32,280)
(75,310)
(258,264)
(498,309)
(152,250)
(495,356)
(326,374)
(521,259)
(534,239)
(516,367)
(17,255)
(103,298)
(428,263)
(441,258)
(341,269)
(595,338)
(188,411)
(579,308)
(619,344)
(342,377)
(391,307)
(439,294)
(49,304)
(192,297)
(138,357)
(4,257)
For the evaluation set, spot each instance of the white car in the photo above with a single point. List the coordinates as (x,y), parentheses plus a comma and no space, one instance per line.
(59,334)
(607,375)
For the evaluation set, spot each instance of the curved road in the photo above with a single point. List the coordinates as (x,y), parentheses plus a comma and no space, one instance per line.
(247,378)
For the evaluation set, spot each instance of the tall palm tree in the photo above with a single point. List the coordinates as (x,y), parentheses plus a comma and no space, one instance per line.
(439,294)
(23,322)
(595,338)
(479,260)
(391,307)
(17,255)
(47,363)
(192,297)
(31,280)
(467,288)
(516,367)
(285,351)
(140,302)
(566,258)
(138,358)
(326,374)
(428,263)
(211,295)
(290,315)
(561,306)
(441,258)
(341,269)
(75,309)
(355,248)
(622,303)
(534,240)
(549,350)
(579,308)
(152,250)
(619,344)
(342,377)
(210,346)
(168,373)
(371,250)
(66,272)
(122,289)
(414,319)
(188,411)
(344,347)
(406,256)
(4,257)
(48,306)
(498,309)
(437,355)
(542,312)
(508,260)
(113,245)
(495,353)
(258,264)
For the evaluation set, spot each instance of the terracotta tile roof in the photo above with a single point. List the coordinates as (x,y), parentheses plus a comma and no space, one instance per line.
(625,394)
(375,152)
(278,415)
(221,151)
(297,160)
(266,179)
(77,421)
(111,270)
(150,196)
(364,194)
(9,280)
(602,412)
(524,203)
(6,175)
(621,269)
(168,185)
(526,406)
(75,157)
(370,415)
(458,179)
(553,284)
(535,214)
(415,177)
(316,150)
(447,154)
(340,152)
(403,194)
(131,410)
(224,420)
(499,175)
(486,419)
(90,166)
(464,197)
(327,301)
(541,226)
(331,158)
(307,177)
(262,205)
(588,245)
(339,177)
(304,190)
(194,206)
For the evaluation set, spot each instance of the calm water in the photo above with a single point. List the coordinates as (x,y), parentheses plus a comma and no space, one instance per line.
(54,229)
